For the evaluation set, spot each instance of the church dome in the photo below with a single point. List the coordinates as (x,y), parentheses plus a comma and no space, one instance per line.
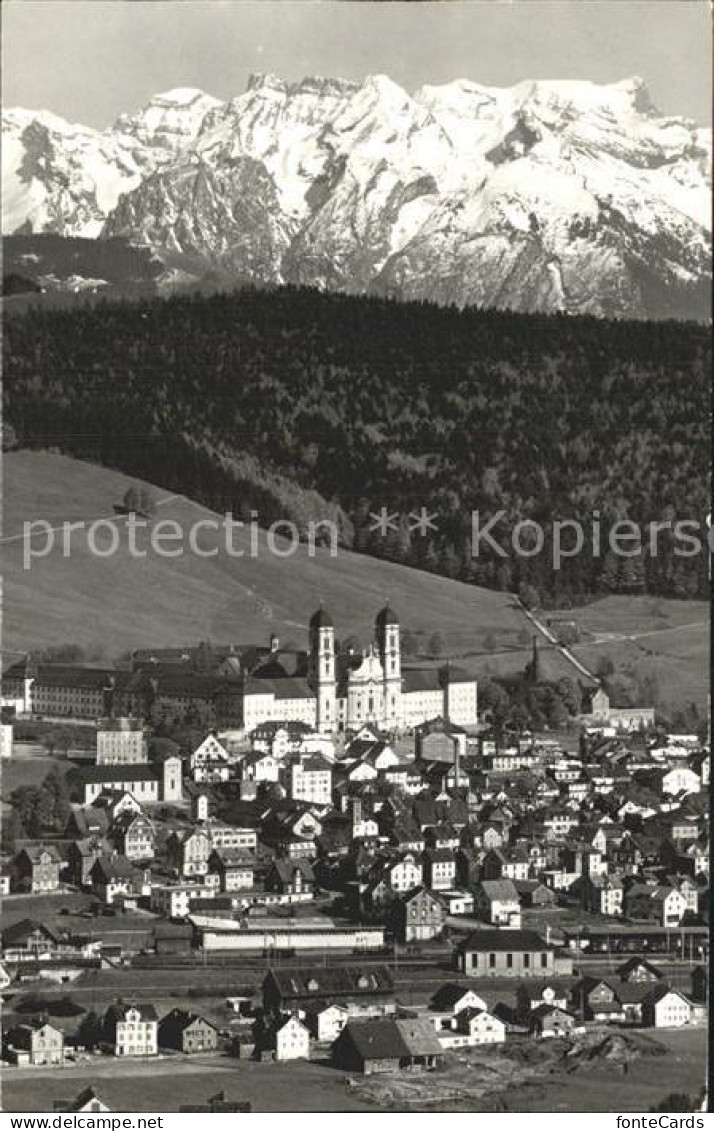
(321,619)
(386,616)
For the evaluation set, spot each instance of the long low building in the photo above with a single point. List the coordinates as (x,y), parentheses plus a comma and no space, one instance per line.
(511,954)
(271,934)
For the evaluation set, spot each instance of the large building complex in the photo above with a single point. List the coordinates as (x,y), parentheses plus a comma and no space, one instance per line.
(247,686)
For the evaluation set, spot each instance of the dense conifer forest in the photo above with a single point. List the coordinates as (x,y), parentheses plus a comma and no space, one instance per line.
(303,405)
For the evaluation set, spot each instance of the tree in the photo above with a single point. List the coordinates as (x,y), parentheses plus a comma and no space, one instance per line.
(35,807)
(89,1031)
(409,642)
(55,784)
(604,667)
(529,596)
(436,644)
(569,693)
(13,830)
(557,714)
(680,1101)
(519,717)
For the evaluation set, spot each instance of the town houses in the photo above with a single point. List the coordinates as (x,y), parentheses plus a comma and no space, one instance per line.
(328,818)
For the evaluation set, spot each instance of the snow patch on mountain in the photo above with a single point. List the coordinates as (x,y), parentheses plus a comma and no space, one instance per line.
(544,195)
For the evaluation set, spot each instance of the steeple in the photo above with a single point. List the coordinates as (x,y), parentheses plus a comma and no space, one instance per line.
(322,662)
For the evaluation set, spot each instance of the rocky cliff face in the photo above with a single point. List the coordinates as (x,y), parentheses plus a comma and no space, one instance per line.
(545,196)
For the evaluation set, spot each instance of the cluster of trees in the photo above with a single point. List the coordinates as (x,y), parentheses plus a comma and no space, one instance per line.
(300,405)
(37,809)
(518,704)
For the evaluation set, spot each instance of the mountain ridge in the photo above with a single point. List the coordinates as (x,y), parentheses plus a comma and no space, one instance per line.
(544,196)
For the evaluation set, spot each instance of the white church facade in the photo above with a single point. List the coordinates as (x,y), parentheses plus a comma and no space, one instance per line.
(344,692)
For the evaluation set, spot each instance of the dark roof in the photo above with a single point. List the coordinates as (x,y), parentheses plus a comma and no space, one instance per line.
(113,867)
(447,995)
(633,964)
(169,930)
(656,993)
(119,1010)
(73,675)
(439,725)
(324,981)
(386,1038)
(504,890)
(499,940)
(19,932)
(386,616)
(99,774)
(176,1021)
(420,679)
(85,1097)
(321,619)
(286,869)
(34,851)
(284,687)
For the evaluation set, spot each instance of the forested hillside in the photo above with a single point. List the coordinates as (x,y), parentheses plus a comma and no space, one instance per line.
(303,405)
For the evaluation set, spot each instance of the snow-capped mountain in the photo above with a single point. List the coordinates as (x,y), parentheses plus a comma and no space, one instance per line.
(544,196)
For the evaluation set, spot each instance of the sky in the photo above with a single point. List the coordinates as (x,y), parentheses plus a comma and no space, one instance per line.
(90,60)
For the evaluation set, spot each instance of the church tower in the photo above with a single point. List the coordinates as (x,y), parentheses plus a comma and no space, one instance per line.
(388,644)
(322,665)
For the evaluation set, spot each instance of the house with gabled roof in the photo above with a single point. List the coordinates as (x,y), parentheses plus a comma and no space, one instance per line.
(452,997)
(295,878)
(210,761)
(81,856)
(132,835)
(366,991)
(656,903)
(386,1045)
(552,1021)
(187,1032)
(289,1039)
(666,1008)
(131,1030)
(638,969)
(36,869)
(86,1100)
(602,895)
(29,940)
(34,1043)
(439,868)
(115,876)
(417,916)
(497,902)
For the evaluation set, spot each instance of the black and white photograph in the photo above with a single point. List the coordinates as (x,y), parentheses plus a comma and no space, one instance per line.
(356,561)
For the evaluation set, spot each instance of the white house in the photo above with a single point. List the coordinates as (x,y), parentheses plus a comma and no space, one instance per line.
(327,1023)
(665,1008)
(173,900)
(120,742)
(311,780)
(292,1040)
(405,873)
(681,779)
(497,902)
(6,739)
(471,1027)
(210,761)
(132,1029)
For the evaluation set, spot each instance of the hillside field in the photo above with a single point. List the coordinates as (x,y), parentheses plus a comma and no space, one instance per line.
(114,603)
